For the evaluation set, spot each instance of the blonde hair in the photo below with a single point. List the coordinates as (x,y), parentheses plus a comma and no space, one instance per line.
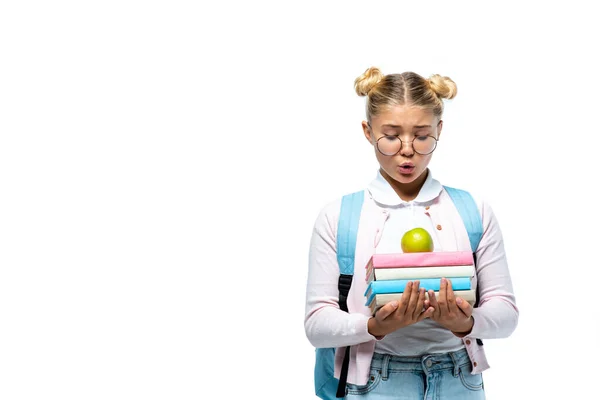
(407,88)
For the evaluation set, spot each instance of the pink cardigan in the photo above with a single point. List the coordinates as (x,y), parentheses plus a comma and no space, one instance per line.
(328,326)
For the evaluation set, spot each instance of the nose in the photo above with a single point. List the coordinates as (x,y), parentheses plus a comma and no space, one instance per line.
(406,148)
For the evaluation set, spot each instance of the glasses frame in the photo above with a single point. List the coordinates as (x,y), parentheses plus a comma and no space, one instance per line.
(402,143)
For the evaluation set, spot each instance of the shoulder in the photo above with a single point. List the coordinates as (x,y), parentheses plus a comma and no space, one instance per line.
(481,201)
(331,209)
(329,214)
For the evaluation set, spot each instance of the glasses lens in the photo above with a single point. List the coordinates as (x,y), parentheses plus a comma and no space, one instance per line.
(389,145)
(424,144)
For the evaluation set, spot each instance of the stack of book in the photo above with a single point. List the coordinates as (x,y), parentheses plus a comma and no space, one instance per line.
(388,274)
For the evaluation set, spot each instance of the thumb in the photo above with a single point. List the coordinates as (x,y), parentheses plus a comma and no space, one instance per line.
(464,306)
(387,310)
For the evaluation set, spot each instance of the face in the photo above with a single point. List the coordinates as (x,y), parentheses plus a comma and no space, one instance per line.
(408,123)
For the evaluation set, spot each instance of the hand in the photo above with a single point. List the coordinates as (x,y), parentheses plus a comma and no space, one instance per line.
(399,314)
(453,313)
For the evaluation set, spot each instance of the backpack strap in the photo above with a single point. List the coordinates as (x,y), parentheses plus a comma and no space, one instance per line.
(469,213)
(467,208)
(346,249)
(346,241)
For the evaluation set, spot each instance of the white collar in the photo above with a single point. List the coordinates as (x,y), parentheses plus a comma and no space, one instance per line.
(382,192)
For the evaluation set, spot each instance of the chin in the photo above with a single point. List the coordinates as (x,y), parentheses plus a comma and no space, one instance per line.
(405,179)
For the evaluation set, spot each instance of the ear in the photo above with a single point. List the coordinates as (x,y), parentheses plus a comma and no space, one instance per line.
(439,128)
(367,131)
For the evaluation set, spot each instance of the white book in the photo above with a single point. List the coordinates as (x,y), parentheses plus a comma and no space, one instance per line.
(383,274)
(380,300)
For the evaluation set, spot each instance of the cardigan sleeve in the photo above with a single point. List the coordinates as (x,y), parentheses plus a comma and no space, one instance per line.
(497,314)
(326,325)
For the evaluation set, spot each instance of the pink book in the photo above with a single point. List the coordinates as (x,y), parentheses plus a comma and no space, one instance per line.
(426,259)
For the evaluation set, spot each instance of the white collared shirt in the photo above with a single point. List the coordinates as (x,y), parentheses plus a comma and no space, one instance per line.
(427,336)
(404,215)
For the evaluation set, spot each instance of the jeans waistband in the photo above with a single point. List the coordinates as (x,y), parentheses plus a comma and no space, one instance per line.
(427,363)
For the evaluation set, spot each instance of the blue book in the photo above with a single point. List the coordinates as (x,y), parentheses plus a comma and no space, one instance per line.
(398,286)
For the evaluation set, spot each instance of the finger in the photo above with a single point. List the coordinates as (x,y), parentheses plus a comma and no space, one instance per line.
(433,304)
(426,303)
(450,298)
(420,302)
(464,306)
(428,313)
(404,299)
(414,298)
(443,297)
(386,310)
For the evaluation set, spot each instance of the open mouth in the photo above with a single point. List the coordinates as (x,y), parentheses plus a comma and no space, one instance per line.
(406,168)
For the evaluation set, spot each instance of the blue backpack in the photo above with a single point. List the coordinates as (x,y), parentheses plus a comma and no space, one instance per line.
(327,387)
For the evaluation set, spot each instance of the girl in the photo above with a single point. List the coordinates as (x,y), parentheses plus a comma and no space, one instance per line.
(414,348)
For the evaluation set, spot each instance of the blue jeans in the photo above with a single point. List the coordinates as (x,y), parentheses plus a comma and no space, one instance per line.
(433,376)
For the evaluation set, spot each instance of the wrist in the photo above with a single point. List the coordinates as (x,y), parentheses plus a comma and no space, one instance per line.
(466,329)
(372,329)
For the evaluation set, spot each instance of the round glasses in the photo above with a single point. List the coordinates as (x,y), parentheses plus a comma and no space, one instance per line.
(391,145)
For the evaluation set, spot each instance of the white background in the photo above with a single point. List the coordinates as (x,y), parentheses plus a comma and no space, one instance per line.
(162,164)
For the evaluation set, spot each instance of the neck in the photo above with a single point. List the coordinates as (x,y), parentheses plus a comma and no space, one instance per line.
(406,191)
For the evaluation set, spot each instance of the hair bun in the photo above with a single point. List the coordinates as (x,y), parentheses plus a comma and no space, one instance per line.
(443,86)
(364,83)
